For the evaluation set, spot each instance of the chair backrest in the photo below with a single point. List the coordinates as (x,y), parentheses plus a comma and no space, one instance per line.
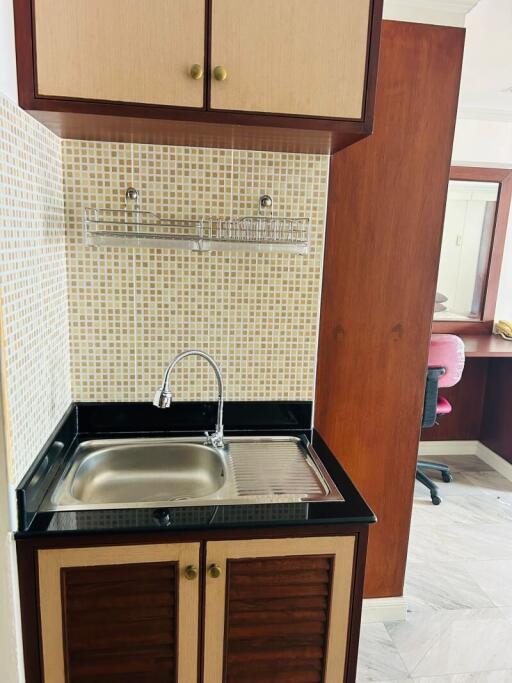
(447,351)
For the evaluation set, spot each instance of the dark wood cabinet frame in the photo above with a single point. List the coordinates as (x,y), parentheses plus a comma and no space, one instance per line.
(29,592)
(132,122)
(503,176)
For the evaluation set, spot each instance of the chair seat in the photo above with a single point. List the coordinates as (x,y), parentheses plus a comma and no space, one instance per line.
(444,407)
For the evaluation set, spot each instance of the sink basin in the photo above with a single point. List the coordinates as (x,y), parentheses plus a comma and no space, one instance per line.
(153,472)
(157,472)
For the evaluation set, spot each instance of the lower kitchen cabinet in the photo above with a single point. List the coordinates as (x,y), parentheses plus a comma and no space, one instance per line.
(260,610)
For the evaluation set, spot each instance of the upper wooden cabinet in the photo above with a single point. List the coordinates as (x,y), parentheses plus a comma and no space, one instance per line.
(300,57)
(294,75)
(120,50)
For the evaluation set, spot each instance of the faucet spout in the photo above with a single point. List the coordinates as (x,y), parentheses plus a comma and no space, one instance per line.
(163,395)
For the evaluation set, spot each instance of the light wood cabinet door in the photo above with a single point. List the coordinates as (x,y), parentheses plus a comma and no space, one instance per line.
(120,50)
(278,610)
(302,57)
(117,614)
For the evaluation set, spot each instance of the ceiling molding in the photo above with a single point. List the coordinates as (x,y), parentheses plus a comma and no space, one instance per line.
(484,114)
(441,12)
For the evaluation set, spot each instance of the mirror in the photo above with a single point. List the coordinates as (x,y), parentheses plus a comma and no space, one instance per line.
(466,249)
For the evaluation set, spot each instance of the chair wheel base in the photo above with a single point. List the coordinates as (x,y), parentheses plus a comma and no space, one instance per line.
(447,477)
(436,500)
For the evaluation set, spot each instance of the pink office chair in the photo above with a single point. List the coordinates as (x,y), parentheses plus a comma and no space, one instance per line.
(445,366)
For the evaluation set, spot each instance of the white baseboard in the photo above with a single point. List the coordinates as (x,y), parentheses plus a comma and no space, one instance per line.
(462,448)
(433,448)
(495,461)
(384,609)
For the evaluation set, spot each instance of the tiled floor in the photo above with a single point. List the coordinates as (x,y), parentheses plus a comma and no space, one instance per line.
(458,588)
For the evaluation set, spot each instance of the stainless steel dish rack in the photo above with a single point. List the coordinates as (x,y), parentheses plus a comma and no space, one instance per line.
(133,227)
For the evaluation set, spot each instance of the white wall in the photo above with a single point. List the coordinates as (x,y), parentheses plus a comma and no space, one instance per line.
(11,655)
(489,143)
(8,84)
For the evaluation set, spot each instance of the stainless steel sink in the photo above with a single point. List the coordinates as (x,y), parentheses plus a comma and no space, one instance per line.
(121,473)
(128,473)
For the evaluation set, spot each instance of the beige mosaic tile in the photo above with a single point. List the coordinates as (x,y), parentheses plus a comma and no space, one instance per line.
(33,290)
(132,310)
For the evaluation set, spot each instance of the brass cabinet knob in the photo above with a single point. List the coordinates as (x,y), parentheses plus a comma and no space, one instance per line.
(214,571)
(220,73)
(191,572)
(196,71)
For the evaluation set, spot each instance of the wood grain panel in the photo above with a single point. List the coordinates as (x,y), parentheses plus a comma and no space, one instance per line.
(496,431)
(270,51)
(486,346)
(121,50)
(111,614)
(467,399)
(385,217)
(288,642)
(121,622)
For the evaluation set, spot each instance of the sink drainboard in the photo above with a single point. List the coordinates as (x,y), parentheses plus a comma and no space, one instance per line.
(274,468)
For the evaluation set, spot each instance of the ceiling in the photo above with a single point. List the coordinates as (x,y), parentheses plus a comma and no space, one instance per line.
(486,87)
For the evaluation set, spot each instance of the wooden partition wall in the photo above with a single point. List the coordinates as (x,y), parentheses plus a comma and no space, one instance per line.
(385,217)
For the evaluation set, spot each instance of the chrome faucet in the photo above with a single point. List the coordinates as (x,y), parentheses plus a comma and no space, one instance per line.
(163,395)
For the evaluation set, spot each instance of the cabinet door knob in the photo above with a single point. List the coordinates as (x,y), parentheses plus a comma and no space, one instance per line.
(196,71)
(220,73)
(214,571)
(191,572)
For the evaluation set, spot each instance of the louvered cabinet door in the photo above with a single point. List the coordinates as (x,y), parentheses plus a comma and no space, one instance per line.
(116,614)
(277,611)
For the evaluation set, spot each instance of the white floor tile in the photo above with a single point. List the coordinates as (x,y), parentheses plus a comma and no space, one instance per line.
(495,578)
(504,676)
(444,585)
(480,640)
(378,657)
(458,588)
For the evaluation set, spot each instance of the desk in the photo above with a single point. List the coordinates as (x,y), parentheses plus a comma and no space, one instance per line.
(482,400)
(486,346)
(481,397)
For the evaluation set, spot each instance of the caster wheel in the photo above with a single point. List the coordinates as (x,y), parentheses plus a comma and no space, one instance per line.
(447,477)
(436,500)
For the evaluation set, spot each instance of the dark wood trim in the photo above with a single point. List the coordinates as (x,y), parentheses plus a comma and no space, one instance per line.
(372,63)
(179,125)
(30,627)
(487,346)
(496,431)
(462,327)
(25,57)
(356,605)
(378,286)
(503,176)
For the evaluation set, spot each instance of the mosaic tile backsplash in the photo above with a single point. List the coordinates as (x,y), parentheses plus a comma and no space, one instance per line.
(100,324)
(33,292)
(132,310)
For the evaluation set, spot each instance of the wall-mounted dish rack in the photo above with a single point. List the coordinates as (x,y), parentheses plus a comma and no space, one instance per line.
(132,227)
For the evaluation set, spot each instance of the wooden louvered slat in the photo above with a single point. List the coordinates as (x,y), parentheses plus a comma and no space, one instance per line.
(101,642)
(286,644)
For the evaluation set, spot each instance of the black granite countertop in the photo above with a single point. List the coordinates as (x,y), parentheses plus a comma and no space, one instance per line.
(86,421)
